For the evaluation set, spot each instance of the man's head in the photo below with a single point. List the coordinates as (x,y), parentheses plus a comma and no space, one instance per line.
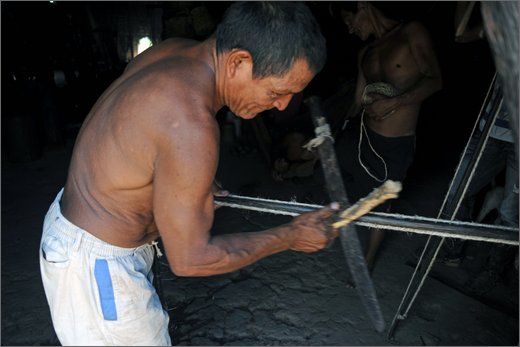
(275,33)
(272,50)
(359,19)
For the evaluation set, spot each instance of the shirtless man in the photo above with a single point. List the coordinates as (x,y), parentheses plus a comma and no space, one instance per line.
(397,70)
(143,167)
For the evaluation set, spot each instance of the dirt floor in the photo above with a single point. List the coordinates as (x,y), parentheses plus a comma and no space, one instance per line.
(286,299)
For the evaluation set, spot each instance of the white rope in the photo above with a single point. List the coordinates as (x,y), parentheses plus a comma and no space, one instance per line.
(437,233)
(362,130)
(258,199)
(432,261)
(322,132)
(264,209)
(258,209)
(155,244)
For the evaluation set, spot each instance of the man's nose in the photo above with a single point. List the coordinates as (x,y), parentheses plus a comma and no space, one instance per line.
(282,102)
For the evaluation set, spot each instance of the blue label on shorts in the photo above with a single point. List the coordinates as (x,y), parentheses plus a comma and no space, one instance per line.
(106,291)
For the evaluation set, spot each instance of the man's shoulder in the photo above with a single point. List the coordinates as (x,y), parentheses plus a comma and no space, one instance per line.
(170,58)
(414,27)
(171,81)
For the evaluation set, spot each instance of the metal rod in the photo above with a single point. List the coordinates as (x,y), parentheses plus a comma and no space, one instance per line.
(455,195)
(397,222)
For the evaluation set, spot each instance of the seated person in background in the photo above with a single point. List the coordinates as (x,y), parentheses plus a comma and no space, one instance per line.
(397,70)
(294,160)
(290,129)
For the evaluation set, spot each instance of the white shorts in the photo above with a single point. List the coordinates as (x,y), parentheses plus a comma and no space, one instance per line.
(99,294)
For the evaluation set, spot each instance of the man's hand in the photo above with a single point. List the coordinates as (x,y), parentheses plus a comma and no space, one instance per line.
(217,190)
(312,230)
(381,109)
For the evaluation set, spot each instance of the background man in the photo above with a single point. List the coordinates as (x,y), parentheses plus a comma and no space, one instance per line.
(397,70)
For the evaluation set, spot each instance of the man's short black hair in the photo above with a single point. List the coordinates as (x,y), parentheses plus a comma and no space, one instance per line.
(275,33)
(390,9)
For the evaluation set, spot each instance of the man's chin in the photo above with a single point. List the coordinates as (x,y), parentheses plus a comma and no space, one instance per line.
(247,115)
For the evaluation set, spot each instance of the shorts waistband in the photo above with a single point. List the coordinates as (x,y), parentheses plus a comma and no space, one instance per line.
(405,138)
(65,230)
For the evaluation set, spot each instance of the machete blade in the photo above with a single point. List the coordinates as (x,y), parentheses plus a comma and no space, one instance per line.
(348,234)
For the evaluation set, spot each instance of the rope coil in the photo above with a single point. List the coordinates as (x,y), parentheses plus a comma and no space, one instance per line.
(322,132)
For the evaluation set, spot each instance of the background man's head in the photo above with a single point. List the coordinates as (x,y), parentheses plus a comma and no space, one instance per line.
(365,18)
(358,18)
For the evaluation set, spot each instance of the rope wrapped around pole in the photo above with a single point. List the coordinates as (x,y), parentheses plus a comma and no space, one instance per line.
(388,221)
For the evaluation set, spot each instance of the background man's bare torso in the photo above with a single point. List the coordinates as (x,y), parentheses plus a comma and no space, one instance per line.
(390,60)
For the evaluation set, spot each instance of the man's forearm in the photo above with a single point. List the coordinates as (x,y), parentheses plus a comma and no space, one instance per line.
(353,110)
(230,252)
(421,91)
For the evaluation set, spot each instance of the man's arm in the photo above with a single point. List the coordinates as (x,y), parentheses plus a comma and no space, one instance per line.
(360,86)
(355,106)
(422,50)
(183,210)
(463,33)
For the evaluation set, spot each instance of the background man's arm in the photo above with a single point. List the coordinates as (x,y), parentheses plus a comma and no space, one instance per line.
(339,121)
(360,86)
(464,33)
(422,50)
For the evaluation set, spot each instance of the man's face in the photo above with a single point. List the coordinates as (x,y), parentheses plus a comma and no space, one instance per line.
(253,96)
(358,23)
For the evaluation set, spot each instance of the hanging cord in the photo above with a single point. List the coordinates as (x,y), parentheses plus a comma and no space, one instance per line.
(155,244)
(158,274)
(363,130)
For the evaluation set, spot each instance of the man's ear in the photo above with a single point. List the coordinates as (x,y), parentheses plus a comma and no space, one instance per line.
(239,60)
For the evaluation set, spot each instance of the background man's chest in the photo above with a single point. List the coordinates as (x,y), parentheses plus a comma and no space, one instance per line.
(387,60)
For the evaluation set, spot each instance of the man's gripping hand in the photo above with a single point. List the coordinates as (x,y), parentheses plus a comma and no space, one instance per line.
(312,231)
(217,190)
(381,109)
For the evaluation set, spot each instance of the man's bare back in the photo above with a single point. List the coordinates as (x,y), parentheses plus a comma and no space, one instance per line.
(111,178)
